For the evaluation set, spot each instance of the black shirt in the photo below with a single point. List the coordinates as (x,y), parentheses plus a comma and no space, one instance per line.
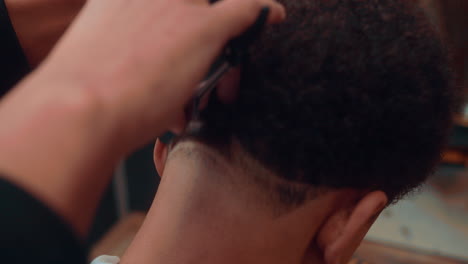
(13,62)
(31,233)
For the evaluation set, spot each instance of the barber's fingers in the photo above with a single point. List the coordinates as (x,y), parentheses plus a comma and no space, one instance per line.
(235,16)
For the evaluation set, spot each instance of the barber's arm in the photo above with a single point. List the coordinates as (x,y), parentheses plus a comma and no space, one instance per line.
(119,77)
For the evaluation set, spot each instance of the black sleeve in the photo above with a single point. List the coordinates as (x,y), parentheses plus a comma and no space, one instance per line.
(31,233)
(13,62)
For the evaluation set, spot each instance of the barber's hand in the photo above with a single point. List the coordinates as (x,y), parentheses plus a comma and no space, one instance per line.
(120,76)
(142,59)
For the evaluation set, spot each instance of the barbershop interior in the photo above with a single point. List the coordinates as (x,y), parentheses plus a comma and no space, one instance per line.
(428,227)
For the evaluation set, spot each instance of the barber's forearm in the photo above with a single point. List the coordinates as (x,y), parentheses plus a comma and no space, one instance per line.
(120,76)
(40,23)
(58,146)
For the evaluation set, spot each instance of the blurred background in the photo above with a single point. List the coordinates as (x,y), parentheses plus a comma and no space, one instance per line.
(429,227)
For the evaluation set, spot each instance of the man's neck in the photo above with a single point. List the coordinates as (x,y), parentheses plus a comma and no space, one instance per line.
(202,214)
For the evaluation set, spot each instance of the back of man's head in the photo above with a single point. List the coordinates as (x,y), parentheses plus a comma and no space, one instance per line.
(343,94)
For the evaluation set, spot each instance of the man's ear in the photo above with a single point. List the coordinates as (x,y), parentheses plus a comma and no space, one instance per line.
(159,156)
(344,230)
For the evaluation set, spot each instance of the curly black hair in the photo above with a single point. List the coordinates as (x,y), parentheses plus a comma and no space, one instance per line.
(344,93)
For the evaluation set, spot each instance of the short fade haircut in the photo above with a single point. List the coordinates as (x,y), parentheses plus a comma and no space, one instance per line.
(343,94)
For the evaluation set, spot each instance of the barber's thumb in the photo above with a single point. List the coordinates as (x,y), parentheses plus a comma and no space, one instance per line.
(235,16)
